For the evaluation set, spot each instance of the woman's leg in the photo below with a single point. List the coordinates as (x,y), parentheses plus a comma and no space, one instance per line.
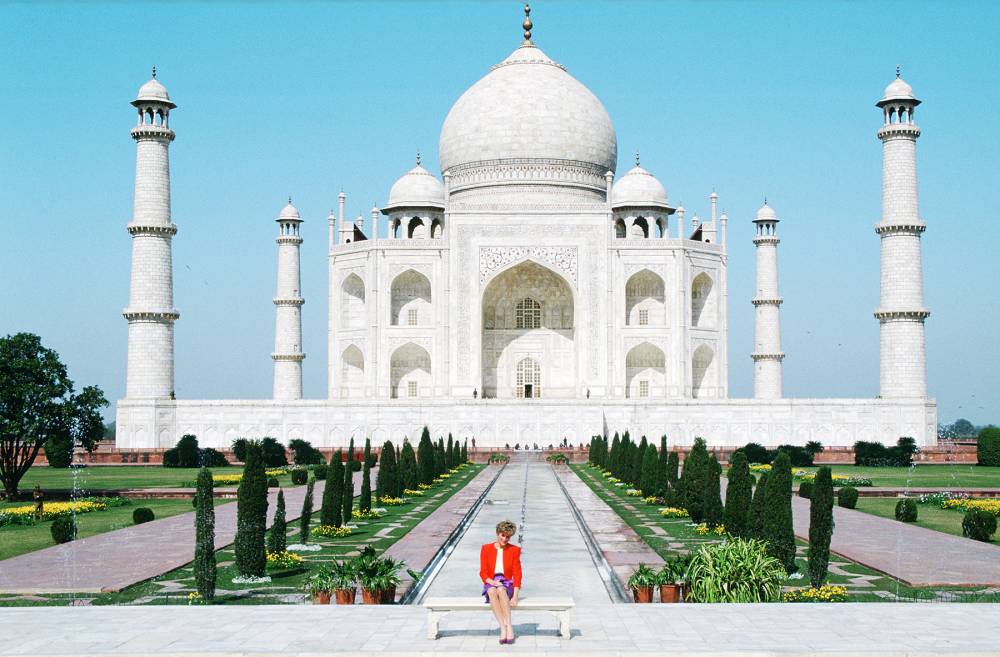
(504,604)
(491,593)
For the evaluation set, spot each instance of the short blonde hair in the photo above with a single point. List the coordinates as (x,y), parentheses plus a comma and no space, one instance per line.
(506,527)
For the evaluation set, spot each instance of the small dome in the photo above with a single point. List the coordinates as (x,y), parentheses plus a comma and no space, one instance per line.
(898,89)
(153,92)
(416,188)
(766,213)
(289,213)
(639,188)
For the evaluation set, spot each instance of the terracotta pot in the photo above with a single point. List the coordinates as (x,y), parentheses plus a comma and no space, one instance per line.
(321,598)
(389,595)
(670,592)
(345,596)
(642,593)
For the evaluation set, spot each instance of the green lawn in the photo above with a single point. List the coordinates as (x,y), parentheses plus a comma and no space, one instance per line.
(19,539)
(930,516)
(121,477)
(863,583)
(925,475)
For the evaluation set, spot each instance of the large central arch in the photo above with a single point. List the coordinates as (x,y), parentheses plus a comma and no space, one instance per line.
(528,314)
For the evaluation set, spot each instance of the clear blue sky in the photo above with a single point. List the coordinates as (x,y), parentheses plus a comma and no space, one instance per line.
(770,98)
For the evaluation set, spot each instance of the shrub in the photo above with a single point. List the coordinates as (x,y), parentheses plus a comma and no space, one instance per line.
(820,526)
(365,500)
(757,453)
(303,453)
(987,446)
(778,531)
(63,529)
(239,447)
(755,523)
(142,514)
(209,457)
(800,457)
(184,455)
(977,524)
(272,482)
(299,477)
(320,472)
(805,489)
(277,540)
(739,494)
(425,458)
(170,458)
(649,480)
(388,475)
(847,497)
(814,447)
(906,510)
(874,454)
(251,514)
(59,451)
(737,570)
(204,536)
(274,453)
(407,470)
(332,509)
(693,478)
(713,494)
(306,515)
(348,489)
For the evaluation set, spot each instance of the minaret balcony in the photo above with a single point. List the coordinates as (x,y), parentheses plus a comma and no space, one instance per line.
(767,301)
(148,229)
(892,130)
(913,314)
(289,302)
(296,358)
(910,227)
(778,356)
(152,132)
(766,239)
(165,315)
(294,240)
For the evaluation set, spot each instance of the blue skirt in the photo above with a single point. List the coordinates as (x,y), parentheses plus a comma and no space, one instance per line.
(508,585)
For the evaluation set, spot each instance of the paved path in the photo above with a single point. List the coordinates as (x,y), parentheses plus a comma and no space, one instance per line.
(555,559)
(785,630)
(113,560)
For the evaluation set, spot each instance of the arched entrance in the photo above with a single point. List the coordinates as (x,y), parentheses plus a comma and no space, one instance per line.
(528,334)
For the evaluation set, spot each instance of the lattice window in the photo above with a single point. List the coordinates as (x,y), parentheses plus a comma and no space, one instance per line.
(528,314)
(411,317)
(644,388)
(644,317)
(529,374)
(411,388)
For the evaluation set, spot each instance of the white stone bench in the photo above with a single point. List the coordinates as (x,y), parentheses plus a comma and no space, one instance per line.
(438,607)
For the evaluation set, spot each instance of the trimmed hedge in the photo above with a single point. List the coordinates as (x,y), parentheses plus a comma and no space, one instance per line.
(806,489)
(272,482)
(987,446)
(320,471)
(847,497)
(63,529)
(979,525)
(300,477)
(906,510)
(143,514)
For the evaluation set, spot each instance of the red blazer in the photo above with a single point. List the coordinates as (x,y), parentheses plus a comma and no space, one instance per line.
(511,562)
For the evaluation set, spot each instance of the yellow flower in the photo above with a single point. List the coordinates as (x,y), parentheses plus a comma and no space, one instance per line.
(825,593)
(283,559)
(673,512)
(390,501)
(413,493)
(329,531)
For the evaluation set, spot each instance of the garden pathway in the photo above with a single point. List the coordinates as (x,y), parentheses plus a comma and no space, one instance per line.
(113,560)
(724,630)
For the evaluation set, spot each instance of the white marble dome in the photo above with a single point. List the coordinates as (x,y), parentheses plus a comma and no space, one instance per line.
(416,188)
(638,188)
(528,107)
(289,213)
(898,89)
(766,213)
(154,92)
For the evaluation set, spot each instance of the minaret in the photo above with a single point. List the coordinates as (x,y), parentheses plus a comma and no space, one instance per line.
(288,302)
(901,312)
(150,312)
(767,355)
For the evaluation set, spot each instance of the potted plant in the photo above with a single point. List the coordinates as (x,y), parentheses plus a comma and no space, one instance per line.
(671,578)
(378,577)
(319,585)
(343,578)
(641,582)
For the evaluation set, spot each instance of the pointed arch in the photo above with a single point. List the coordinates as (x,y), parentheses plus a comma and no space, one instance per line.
(640,228)
(352,372)
(416,229)
(645,371)
(410,300)
(352,302)
(702,371)
(437,229)
(702,301)
(645,299)
(620,231)
(410,372)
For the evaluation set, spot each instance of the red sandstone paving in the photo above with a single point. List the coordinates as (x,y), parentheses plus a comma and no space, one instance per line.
(113,560)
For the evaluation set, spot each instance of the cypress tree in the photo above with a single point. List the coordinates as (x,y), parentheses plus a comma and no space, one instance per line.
(408,469)
(714,513)
(350,454)
(465,451)
(251,514)
(457,458)
(649,481)
(778,531)
(693,480)
(365,502)
(673,465)
(637,461)
(613,455)
(307,510)
(347,498)
(820,526)
(277,540)
(451,453)
(440,458)
(204,536)
(425,457)
(739,493)
(386,465)
(661,468)
(333,494)
(755,524)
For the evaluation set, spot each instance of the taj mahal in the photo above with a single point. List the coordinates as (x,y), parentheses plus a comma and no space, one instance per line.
(528,294)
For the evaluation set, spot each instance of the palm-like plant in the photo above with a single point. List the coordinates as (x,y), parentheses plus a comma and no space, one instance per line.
(737,570)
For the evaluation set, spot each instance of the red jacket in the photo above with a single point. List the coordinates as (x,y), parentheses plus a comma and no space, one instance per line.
(511,562)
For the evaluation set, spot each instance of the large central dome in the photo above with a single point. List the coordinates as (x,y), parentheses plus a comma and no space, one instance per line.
(528,112)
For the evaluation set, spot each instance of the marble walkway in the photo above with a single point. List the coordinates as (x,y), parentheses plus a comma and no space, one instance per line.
(785,630)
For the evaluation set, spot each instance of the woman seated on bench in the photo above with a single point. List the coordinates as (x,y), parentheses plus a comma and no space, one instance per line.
(500,570)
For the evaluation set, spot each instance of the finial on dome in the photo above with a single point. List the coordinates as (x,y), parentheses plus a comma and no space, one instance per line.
(637,158)
(289,200)
(898,70)
(154,72)
(527,25)
(418,158)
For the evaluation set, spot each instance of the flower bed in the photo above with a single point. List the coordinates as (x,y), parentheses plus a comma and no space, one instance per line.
(424,486)
(371,514)
(838,479)
(632,492)
(409,492)
(990,506)
(238,477)
(283,560)
(703,530)
(673,512)
(391,501)
(330,531)
(25,515)
(825,593)
(760,467)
